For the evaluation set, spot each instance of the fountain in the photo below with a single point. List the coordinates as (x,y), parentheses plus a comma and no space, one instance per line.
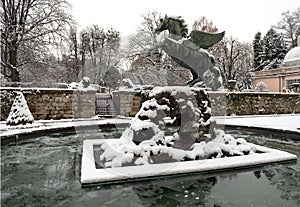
(144,151)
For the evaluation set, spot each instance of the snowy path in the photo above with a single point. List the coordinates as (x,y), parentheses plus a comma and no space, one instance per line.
(282,122)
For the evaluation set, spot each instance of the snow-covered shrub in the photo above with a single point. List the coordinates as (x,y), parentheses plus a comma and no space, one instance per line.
(84,85)
(85,82)
(19,112)
(127,83)
(261,87)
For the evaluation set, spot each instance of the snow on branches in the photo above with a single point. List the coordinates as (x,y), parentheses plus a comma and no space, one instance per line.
(19,112)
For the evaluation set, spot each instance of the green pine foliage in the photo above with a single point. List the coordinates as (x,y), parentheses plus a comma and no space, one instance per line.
(257,49)
(269,52)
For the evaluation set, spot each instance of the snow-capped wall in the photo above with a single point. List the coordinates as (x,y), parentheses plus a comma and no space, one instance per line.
(51,103)
(227,103)
(255,103)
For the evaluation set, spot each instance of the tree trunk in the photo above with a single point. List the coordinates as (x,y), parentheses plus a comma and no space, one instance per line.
(15,76)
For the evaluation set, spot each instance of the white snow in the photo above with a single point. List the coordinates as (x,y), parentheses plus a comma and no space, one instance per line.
(48,125)
(293,55)
(89,173)
(120,151)
(283,122)
(19,112)
(189,91)
(128,83)
(83,85)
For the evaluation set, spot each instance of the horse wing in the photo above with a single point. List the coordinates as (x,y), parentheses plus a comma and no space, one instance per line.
(205,40)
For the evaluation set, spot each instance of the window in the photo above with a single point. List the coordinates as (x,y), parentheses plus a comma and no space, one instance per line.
(289,83)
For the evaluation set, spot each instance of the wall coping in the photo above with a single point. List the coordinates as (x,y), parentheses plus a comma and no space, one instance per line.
(254,93)
(58,90)
(227,92)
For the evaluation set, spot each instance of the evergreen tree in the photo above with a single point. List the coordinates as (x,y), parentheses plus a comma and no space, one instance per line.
(19,112)
(269,52)
(258,51)
(274,49)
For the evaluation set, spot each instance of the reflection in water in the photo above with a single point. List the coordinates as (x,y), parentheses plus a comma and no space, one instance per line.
(182,191)
(45,171)
(176,192)
(286,180)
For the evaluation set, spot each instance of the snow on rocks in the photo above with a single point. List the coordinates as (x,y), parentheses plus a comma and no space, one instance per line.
(144,142)
(128,83)
(19,112)
(83,85)
(123,152)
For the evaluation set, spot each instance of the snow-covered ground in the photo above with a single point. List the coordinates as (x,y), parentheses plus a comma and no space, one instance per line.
(279,122)
(284,122)
(48,125)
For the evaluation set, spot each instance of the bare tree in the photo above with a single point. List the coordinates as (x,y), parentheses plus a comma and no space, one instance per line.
(93,52)
(203,24)
(28,25)
(290,26)
(235,61)
(145,37)
(84,48)
(74,53)
(112,49)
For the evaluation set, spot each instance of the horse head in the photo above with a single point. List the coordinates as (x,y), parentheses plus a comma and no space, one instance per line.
(175,26)
(164,25)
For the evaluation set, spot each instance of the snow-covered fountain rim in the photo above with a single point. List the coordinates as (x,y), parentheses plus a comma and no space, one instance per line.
(116,153)
(46,126)
(90,174)
(43,127)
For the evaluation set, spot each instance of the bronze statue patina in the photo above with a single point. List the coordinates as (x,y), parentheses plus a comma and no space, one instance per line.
(178,29)
(189,50)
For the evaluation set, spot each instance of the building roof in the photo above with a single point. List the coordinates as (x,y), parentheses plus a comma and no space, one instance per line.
(292,58)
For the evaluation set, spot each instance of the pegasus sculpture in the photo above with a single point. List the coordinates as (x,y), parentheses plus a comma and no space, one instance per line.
(177,28)
(189,50)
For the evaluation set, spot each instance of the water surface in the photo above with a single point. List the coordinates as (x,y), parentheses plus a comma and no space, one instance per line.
(45,171)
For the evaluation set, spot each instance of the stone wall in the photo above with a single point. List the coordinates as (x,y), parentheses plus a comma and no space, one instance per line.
(51,103)
(127,103)
(224,103)
(248,103)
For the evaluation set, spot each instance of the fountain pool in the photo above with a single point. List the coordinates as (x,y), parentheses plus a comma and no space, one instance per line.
(45,171)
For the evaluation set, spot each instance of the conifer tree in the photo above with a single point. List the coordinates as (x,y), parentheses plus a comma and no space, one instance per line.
(258,51)
(19,112)
(274,49)
(268,52)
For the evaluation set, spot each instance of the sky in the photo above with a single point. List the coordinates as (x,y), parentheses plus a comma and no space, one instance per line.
(241,19)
